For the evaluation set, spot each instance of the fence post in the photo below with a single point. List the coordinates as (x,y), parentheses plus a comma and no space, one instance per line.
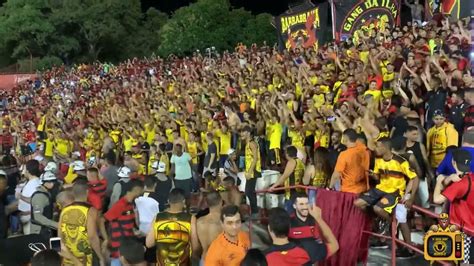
(394,242)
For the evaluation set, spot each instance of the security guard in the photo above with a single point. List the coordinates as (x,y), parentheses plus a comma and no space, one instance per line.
(42,206)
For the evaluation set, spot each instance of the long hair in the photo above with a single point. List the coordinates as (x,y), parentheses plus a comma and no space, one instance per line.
(321,161)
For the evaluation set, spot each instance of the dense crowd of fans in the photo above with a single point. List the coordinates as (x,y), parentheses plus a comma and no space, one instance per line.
(114,158)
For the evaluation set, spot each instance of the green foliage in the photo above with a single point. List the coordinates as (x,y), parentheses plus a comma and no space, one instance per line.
(75,31)
(208,23)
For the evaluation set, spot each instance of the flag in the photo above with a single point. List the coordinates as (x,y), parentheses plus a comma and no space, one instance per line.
(356,17)
(456,9)
(303,26)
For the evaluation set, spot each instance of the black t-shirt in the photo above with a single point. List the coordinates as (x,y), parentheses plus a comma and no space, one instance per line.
(303,230)
(334,154)
(162,190)
(435,100)
(211,148)
(456,116)
(400,124)
(3,217)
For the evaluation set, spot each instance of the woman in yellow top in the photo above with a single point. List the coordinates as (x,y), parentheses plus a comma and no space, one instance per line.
(318,173)
(253,167)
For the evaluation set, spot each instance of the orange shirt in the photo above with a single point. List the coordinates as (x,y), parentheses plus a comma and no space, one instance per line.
(353,165)
(225,253)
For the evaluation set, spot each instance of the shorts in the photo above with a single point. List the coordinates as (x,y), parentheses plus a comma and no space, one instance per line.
(150,253)
(309,141)
(386,201)
(401,213)
(275,157)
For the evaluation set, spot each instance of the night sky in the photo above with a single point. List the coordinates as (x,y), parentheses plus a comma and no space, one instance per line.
(274,7)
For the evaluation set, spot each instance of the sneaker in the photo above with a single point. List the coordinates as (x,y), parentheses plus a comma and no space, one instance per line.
(404,253)
(379,245)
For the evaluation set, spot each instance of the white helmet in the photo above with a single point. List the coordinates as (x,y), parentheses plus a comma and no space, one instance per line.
(78,166)
(124,171)
(51,167)
(47,176)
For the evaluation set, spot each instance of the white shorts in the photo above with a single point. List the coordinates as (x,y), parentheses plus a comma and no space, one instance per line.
(401,213)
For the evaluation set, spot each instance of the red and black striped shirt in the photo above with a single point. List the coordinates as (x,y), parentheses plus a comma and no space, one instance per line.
(97,193)
(122,222)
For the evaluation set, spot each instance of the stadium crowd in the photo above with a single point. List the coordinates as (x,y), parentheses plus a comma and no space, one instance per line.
(139,163)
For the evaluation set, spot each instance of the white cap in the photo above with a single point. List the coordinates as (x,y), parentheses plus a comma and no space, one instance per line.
(51,167)
(3,173)
(230,152)
(47,176)
(124,172)
(78,166)
(76,153)
(159,166)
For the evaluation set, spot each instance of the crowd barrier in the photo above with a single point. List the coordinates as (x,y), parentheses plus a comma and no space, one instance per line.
(340,214)
(8,81)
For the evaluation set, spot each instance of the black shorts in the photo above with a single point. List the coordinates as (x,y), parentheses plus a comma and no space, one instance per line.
(309,141)
(386,201)
(150,253)
(275,157)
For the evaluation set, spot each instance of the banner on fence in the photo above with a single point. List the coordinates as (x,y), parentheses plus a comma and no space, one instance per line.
(356,17)
(302,26)
(8,82)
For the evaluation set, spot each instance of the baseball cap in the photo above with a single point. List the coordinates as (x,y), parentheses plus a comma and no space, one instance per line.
(160,167)
(438,112)
(462,158)
(78,166)
(3,173)
(47,177)
(230,152)
(124,172)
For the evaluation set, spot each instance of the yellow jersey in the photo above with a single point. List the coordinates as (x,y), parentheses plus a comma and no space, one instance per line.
(224,141)
(73,227)
(249,159)
(438,140)
(193,151)
(276,130)
(393,174)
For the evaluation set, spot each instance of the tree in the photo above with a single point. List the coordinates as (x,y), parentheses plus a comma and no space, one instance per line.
(215,23)
(259,30)
(24,29)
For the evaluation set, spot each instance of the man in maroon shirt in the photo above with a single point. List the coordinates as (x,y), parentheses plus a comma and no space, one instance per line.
(458,189)
(121,218)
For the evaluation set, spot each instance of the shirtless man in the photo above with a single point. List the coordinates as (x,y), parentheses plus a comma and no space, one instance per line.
(231,195)
(209,226)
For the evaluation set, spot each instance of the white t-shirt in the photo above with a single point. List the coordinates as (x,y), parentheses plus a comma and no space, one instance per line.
(182,167)
(148,208)
(30,188)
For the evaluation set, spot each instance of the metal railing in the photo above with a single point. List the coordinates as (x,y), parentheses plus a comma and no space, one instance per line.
(394,225)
